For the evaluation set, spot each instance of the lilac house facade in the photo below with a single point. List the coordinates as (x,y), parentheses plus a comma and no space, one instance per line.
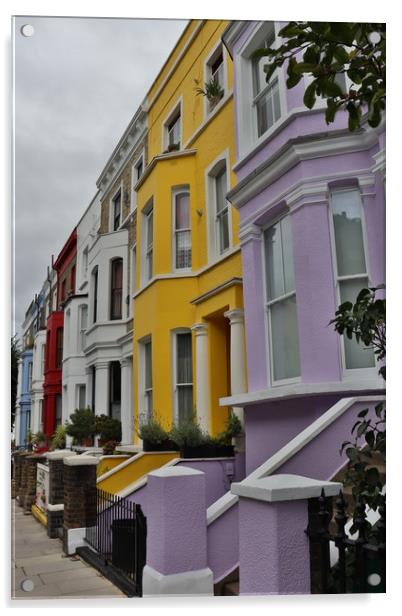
(311,199)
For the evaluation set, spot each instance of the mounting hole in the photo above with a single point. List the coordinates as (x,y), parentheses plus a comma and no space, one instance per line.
(27,30)
(374,579)
(27,585)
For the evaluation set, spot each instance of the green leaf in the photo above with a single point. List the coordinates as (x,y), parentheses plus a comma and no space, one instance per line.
(331,110)
(363,413)
(352,453)
(370,438)
(341,54)
(309,95)
(312,55)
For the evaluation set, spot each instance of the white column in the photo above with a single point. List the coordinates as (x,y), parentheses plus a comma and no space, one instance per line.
(102,388)
(17,420)
(127,408)
(201,376)
(237,356)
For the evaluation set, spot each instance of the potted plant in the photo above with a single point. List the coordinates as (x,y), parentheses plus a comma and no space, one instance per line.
(173,147)
(59,437)
(82,427)
(108,428)
(39,442)
(191,439)
(109,448)
(212,90)
(154,437)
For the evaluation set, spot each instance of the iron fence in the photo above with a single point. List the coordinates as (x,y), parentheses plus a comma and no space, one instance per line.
(361,560)
(119,536)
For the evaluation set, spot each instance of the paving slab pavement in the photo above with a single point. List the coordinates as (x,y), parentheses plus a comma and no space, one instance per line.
(39,561)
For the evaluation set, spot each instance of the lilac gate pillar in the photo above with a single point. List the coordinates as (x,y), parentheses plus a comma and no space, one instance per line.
(176,534)
(273,547)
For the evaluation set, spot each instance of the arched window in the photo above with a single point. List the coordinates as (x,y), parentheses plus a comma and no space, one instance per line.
(116,289)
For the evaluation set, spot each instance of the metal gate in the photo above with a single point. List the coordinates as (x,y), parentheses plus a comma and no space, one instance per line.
(119,538)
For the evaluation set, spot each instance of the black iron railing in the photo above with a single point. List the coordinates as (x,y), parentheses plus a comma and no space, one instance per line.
(361,561)
(119,536)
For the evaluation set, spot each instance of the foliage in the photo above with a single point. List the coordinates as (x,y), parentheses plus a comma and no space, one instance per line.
(152,431)
(28,437)
(361,473)
(330,49)
(108,428)
(81,424)
(188,434)
(15,356)
(109,448)
(212,89)
(38,438)
(365,320)
(59,437)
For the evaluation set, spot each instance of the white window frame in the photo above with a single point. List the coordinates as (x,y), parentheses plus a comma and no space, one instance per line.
(177,109)
(81,330)
(349,373)
(133,273)
(267,316)
(77,395)
(84,268)
(211,172)
(43,358)
(248,139)
(208,73)
(179,190)
(111,208)
(134,179)
(175,385)
(143,412)
(148,249)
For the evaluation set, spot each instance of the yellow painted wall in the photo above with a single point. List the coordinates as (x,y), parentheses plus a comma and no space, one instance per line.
(142,464)
(106,463)
(165,303)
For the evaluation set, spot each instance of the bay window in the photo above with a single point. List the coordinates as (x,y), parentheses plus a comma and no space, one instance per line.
(281,301)
(351,265)
(182,231)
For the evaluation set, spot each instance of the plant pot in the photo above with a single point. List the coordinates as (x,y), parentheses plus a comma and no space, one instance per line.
(86,442)
(166,445)
(208,451)
(173,147)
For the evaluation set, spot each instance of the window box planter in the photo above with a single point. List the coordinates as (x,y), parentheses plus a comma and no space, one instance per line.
(208,451)
(166,445)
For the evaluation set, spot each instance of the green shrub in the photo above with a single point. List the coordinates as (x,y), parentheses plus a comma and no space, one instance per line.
(109,429)
(37,438)
(59,437)
(81,424)
(188,434)
(151,431)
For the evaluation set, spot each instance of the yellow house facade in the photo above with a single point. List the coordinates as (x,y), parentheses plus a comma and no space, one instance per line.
(188,339)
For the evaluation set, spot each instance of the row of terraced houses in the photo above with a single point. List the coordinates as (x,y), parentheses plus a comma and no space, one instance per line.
(202,277)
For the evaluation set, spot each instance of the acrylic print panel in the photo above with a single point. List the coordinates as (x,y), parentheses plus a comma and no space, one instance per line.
(175,275)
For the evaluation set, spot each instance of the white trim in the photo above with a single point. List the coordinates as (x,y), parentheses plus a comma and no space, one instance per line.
(286,487)
(183,584)
(59,454)
(175,191)
(134,180)
(174,334)
(176,107)
(210,204)
(289,450)
(59,507)
(75,538)
(111,207)
(192,274)
(119,467)
(81,461)
(349,373)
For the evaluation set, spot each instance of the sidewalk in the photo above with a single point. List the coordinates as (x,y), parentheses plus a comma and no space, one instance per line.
(40,560)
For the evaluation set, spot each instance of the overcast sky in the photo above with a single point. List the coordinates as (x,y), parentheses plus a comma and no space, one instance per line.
(78,82)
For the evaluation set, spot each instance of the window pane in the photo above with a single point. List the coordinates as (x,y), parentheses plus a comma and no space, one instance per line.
(273,260)
(285,339)
(81,396)
(220,187)
(287,255)
(185,403)
(346,210)
(183,249)
(148,365)
(224,230)
(150,228)
(184,359)
(357,355)
(183,211)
